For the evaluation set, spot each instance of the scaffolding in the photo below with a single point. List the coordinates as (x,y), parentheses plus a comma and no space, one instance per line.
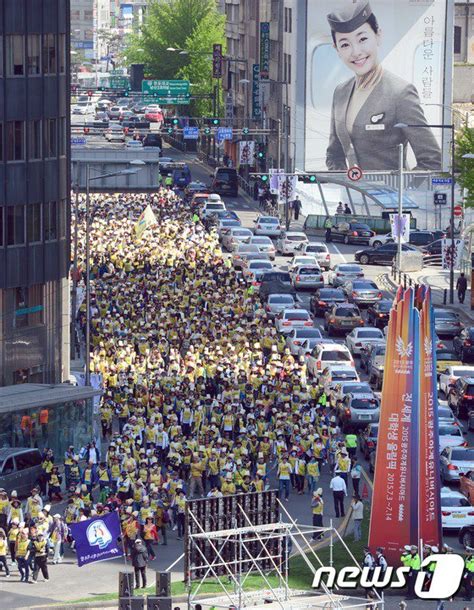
(275,542)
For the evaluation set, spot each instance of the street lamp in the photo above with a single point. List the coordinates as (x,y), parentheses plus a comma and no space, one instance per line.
(451,219)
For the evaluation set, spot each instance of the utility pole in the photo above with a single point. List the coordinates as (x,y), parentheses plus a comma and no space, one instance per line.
(279,145)
(400,209)
(74,269)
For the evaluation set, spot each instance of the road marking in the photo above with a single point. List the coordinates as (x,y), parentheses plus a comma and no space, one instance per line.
(338,252)
(367,478)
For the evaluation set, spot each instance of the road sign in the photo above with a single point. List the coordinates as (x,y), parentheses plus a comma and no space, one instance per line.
(457,210)
(441,180)
(78,141)
(354,173)
(166,88)
(119,82)
(190,133)
(440,199)
(170,100)
(256,105)
(224,133)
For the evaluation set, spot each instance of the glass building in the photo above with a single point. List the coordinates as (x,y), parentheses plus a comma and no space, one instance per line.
(34,191)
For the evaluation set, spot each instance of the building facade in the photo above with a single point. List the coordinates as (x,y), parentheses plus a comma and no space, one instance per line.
(463,90)
(34,190)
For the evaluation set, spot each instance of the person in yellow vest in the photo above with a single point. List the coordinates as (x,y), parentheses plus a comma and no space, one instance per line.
(130,529)
(312,473)
(317,508)
(228,486)
(196,488)
(54,485)
(103,476)
(415,566)
(150,536)
(3,553)
(180,502)
(343,465)
(468,576)
(4,508)
(15,512)
(12,536)
(300,472)
(22,553)
(39,549)
(284,472)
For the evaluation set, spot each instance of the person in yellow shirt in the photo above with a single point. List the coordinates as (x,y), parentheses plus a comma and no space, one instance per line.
(317,508)
(3,552)
(196,488)
(228,487)
(284,472)
(22,553)
(180,503)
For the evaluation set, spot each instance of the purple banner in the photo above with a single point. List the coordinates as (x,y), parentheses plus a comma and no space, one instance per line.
(96,539)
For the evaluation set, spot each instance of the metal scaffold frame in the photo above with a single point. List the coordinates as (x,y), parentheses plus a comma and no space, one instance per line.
(231,575)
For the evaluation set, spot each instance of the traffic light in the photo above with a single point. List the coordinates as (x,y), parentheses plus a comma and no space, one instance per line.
(307,178)
(126,93)
(207,131)
(101,88)
(89,93)
(261,152)
(175,121)
(213,121)
(170,131)
(245,131)
(262,177)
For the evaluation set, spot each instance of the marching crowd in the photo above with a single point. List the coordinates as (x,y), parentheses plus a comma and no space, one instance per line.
(201,395)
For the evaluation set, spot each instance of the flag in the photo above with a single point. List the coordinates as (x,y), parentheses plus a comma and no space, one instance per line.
(286,187)
(96,539)
(246,152)
(448,253)
(400,226)
(147,219)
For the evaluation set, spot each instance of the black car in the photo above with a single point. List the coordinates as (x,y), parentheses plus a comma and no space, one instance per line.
(324,298)
(383,255)
(463,344)
(139,108)
(153,139)
(378,314)
(275,282)
(461,396)
(420,239)
(433,249)
(351,233)
(466,536)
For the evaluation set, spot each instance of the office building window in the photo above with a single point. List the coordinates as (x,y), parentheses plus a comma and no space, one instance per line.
(457,39)
(62,213)
(1,141)
(15,137)
(34,54)
(33,222)
(49,138)
(50,220)
(1,55)
(287,68)
(1,226)
(62,53)
(62,136)
(15,54)
(288,20)
(34,139)
(29,306)
(49,54)
(15,225)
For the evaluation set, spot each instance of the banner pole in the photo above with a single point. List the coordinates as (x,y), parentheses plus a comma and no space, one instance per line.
(130,589)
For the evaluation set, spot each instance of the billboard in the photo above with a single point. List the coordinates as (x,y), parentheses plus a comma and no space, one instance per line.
(372,66)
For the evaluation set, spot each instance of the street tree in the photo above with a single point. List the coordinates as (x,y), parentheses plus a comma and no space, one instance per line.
(465,167)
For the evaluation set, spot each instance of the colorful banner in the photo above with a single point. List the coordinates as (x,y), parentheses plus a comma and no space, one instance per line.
(256,102)
(217,61)
(429,528)
(406,496)
(264,50)
(287,187)
(246,152)
(449,253)
(147,219)
(400,225)
(96,539)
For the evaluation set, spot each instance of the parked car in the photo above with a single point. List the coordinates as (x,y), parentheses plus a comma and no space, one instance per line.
(463,344)
(466,482)
(114,113)
(20,469)
(264,244)
(450,436)
(447,323)
(306,277)
(289,241)
(378,314)
(362,292)
(356,411)
(445,358)
(368,440)
(360,338)
(276,281)
(295,339)
(456,461)
(456,510)
(326,354)
(236,236)
(379,240)
(344,273)
(320,251)
(289,319)
(351,232)
(421,238)
(461,396)
(278,302)
(383,255)
(342,318)
(324,298)
(267,225)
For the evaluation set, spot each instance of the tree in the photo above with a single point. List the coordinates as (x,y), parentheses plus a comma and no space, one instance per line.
(465,167)
(191,25)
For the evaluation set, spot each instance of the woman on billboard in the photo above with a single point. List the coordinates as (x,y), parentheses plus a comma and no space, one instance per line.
(366,108)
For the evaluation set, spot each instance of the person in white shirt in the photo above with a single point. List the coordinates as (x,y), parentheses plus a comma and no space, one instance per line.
(357,516)
(339,490)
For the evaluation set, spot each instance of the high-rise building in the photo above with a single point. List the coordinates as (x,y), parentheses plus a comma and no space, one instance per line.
(34,191)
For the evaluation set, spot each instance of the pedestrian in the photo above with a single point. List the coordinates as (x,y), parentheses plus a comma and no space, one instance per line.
(351,444)
(297,205)
(150,536)
(356,472)
(139,563)
(347,210)
(357,516)
(468,576)
(339,491)
(380,561)
(22,554)
(39,549)
(3,553)
(328,227)
(414,563)
(370,563)
(340,208)
(461,287)
(284,472)
(58,537)
(180,501)
(317,507)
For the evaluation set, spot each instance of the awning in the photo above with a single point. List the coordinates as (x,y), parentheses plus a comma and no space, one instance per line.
(30,395)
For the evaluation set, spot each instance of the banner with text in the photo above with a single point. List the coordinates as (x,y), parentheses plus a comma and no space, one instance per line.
(97,539)
(246,152)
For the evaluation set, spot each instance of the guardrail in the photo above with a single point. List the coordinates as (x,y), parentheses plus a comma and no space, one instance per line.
(406,281)
(376,223)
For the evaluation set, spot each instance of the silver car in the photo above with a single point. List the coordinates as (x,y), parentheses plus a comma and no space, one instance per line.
(455,461)
(236,236)
(289,242)
(307,345)
(264,244)
(277,303)
(239,255)
(295,339)
(362,292)
(320,251)
(345,273)
(307,277)
(255,269)
(447,322)
(225,224)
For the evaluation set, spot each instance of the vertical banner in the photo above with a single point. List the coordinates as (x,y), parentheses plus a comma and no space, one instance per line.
(246,152)
(429,528)
(392,524)
(264,50)
(449,254)
(256,105)
(96,539)
(400,225)
(286,187)
(217,61)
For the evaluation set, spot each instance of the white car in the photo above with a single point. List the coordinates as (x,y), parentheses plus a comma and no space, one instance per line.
(288,242)
(83,108)
(328,354)
(307,346)
(299,259)
(289,319)
(236,236)
(452,373)
(211,207)
(296,337)
(115,134)
(225,224)
(264,244)
(355,388)
(137,144)
(379,240)
(450,436)
(345,272)
(255,269)
(319,251)
(333,375)
(359,338)
(267,225)
(456,510)
(279,302)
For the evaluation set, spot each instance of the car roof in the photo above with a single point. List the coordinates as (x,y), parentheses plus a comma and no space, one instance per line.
(296,233)
(6,452)
(296,310)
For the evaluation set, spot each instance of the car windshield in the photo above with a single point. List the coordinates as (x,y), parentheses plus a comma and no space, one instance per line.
(384,306)
(296,315)
(347,312)
(442,355)
(445,315)
(363,285)
(313,248)
(269,220)
(309,271)
(463,373)
(449,431)
(260,265)
(454,501)
(369,334)
(295,238)
(379,350)
(214,206)
(308,333)
(331,294)
(463,455)
(349,269)
(343,375)
(356,388)
(360,226)
(364,403)
(445,413)
(261,240)
(281,298)
(374,431)
(241,232)
(280,276)
(335,355)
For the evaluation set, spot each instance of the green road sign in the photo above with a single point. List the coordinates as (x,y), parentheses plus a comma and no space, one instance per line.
(158,99)
(119,82)
(166,88)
